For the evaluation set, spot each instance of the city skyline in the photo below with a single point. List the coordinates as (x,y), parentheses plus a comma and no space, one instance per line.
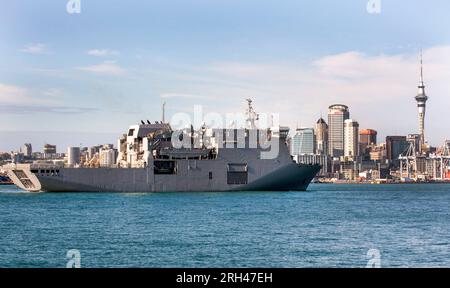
(111,78)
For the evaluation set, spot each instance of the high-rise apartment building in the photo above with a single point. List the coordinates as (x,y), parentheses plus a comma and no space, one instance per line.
(303,142)
(27,150)
(395,145)
(321,132)
(108,155)
(351,143)
(368,137)
(337,114)
(49,149)
(73,156)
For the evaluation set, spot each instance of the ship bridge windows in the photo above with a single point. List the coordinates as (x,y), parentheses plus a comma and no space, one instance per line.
(237,174)
(131,132)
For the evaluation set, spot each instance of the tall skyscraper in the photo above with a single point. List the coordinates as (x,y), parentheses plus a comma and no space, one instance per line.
(49,149)
(421,99)
(337,114)
(367,142)
(27,150)
(108,156)
(351,133)
(303,142)
(395,145)
(321,132)
(73,156)
(368,137)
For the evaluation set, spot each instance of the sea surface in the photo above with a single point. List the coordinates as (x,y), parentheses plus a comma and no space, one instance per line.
(327,226)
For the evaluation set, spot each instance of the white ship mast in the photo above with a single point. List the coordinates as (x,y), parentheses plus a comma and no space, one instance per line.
(252,116)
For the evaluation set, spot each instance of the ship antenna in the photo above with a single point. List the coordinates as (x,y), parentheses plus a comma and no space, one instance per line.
(251,115)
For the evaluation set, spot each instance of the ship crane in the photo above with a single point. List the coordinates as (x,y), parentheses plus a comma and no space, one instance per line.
(440,163)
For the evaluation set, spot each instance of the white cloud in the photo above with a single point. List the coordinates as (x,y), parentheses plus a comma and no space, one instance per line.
(20,100)
(12,94)
(17,95)
(103,52)
(105,68)
(36,48)
(53,92)
(50,72)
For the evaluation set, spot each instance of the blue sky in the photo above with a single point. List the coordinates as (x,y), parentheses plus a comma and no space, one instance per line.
(113,64)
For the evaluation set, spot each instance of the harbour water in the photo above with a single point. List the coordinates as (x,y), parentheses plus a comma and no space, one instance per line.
(327,226)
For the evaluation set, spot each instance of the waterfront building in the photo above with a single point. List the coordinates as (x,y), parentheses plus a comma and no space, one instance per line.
(395,145)
(321,132)
(349,174)
(351,143)
(73,156)
(27,150)
(337,114)
(5,156)
(378,153)
(17,157)
(94,150)
(368,137)
(108,146)
(108,156)
(37,155)
(349,170)
(49,149)
(303,142)
(367,143)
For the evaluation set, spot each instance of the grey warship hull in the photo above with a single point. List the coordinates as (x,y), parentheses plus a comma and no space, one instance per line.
(289,177)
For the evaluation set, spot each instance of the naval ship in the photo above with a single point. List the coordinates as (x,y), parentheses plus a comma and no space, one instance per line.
(149,160)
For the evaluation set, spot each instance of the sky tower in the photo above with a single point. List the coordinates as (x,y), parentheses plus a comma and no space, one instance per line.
(421,99)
